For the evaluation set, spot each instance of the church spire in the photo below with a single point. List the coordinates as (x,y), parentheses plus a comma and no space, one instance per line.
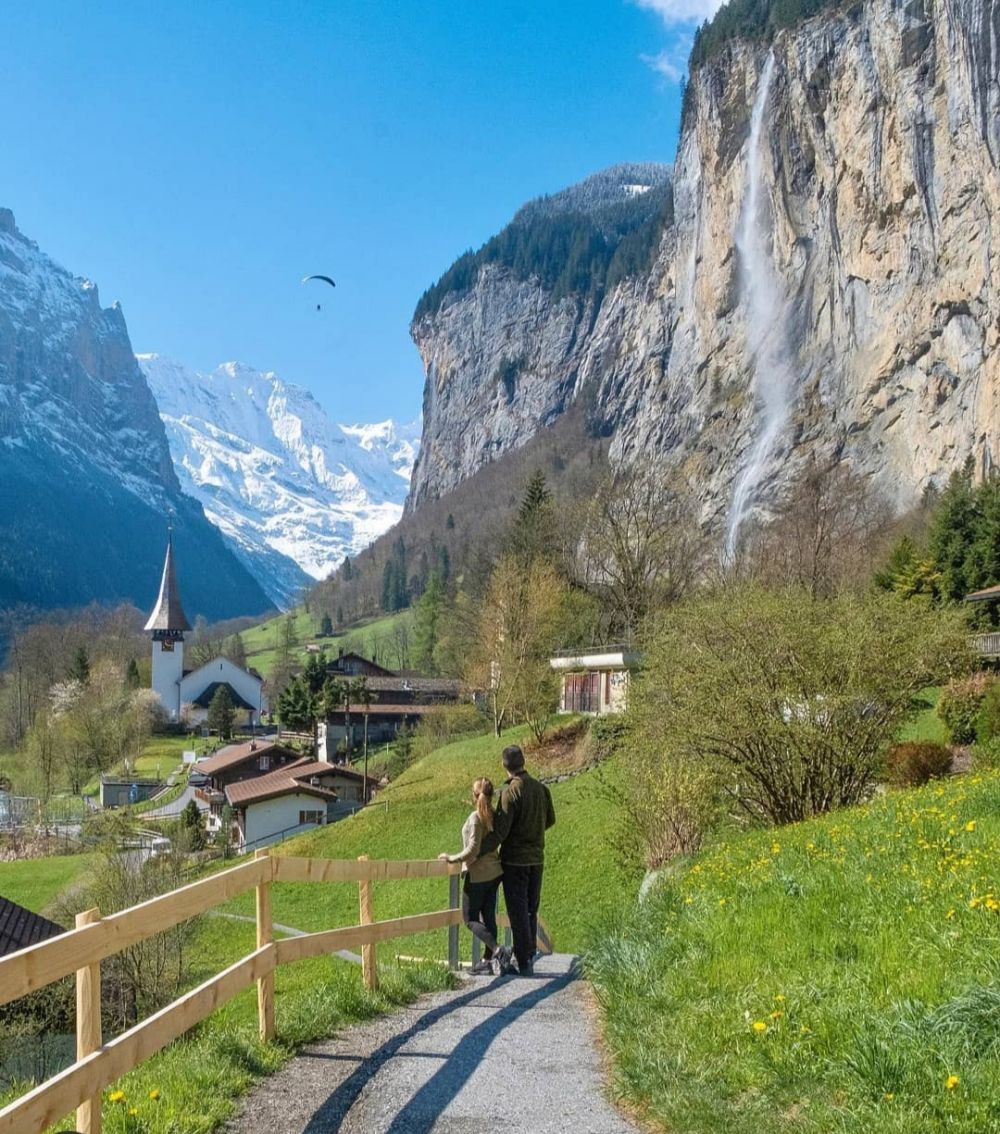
(168,614)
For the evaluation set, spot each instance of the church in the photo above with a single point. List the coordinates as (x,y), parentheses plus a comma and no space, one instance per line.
(187,694)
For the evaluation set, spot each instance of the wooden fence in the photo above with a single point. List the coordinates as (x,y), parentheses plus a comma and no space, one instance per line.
(82,949)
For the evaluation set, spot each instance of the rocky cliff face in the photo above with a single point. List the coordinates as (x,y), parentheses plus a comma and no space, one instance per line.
(84,464)
(829,281)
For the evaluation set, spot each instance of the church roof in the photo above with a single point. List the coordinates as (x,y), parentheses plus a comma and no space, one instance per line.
(204,698)
(168,614)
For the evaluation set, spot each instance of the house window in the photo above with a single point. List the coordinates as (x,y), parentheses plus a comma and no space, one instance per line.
(264,763)
(310,817)
(582,693)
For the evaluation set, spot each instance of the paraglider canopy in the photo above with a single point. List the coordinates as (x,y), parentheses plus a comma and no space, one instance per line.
(323,279)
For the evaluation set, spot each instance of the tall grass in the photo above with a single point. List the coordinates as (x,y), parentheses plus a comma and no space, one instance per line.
(841,975)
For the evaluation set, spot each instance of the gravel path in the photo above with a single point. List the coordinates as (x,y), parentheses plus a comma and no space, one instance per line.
(508,1055)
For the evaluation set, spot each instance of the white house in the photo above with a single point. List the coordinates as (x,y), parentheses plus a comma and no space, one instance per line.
(178,688)
(307,794)
(594,681)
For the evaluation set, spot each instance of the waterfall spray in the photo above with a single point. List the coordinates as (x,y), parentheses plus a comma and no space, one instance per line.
(764,301)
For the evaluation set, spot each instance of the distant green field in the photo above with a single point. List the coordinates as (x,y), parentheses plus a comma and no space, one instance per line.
(35,883)
(261,642)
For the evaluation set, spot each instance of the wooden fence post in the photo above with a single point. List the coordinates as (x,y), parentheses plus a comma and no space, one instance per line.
(88,1027)
(453,904)
(265,935)
(366,904)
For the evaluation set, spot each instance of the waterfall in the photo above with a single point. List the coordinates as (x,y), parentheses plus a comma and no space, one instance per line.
(764,302)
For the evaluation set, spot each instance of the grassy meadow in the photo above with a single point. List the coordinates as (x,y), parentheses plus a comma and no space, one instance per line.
(421,814)
(261,642)
(841,975)
(35,883)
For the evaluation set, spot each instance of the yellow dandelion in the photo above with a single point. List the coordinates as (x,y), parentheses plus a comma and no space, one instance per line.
(776,1015)
(949,915)
(805,1030)
(116,1097)
(951,1082)
(133,1111)
(780,998)
(154,1094)
(970,826)
(722,901)
(759,1026)
(888,1096)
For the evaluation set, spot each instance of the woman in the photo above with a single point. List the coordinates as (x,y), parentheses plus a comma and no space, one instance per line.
(481,871)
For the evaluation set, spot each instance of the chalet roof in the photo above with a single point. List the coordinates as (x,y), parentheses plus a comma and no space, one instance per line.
(381,709)
(404,683)
(988,594)
(238,753)
(168,614)
(335,665)
(204,698)
(280,782)
(307,768)
(20,927)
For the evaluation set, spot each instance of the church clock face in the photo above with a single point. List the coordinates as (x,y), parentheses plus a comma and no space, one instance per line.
(167,645)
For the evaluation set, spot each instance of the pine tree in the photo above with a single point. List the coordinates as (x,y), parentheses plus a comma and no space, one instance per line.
(295,707)
(953,534)
(132,679)
(427,615)
(534,530)
(347,570)
(222,713)
(326,627)
(80,669)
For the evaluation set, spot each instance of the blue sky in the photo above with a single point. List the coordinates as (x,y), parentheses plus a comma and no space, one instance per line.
(197,159)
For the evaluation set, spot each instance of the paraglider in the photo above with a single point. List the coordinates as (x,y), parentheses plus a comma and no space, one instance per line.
(322,279)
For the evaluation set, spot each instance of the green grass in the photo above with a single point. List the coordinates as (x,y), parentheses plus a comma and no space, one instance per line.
(261,642)
(422,813)
(35,883)
(827,976)
(926,725)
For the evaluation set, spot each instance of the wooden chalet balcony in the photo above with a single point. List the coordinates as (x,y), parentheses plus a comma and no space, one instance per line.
(987,645)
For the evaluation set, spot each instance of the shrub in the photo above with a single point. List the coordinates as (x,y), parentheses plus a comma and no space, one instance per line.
(960,704)
(986,755)
(914,763)
(988,720)
(446,723)
(781,705)
(606,733)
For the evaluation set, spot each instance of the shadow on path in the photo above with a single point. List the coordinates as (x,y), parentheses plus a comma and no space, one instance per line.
(423,1109)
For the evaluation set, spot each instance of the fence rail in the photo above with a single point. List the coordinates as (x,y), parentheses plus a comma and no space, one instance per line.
(82,949)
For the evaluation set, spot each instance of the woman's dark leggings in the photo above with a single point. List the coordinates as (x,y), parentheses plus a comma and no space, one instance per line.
(479,912)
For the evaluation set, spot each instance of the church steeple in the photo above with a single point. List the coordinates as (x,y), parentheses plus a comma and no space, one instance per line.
(168,619)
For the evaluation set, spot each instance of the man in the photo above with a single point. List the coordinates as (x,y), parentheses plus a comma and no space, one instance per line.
(523,815)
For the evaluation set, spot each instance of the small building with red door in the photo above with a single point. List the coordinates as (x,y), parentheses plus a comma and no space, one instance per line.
(595,680)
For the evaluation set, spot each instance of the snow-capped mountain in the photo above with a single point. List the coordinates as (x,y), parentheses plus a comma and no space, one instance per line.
(87,478)
(292,491)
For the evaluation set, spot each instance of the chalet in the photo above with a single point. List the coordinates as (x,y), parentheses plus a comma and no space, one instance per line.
(247,761)
(355,665)
(594,680)
(306,794)
(394,699)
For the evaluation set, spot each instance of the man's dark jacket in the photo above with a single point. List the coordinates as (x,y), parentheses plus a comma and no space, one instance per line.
(523,815)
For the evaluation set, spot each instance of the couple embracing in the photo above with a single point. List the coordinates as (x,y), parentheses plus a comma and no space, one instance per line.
(505,845)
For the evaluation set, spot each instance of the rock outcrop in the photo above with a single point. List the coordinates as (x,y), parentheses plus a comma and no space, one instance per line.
(829,282)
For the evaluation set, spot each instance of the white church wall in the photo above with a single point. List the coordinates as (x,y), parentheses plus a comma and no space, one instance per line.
(168,665)
(222,669)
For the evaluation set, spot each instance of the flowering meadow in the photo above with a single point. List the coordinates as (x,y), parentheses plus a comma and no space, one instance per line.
(841,974)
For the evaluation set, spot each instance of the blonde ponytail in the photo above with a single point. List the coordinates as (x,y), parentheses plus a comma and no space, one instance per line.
(483,791)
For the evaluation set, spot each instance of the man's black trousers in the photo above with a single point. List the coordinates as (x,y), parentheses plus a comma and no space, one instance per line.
(522,891)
